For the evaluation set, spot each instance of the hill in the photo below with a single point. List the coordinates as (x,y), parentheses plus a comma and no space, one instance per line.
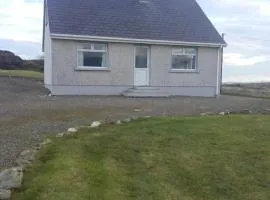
(10,61)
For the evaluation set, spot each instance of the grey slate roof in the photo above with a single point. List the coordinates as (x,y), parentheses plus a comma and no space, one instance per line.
(174,20)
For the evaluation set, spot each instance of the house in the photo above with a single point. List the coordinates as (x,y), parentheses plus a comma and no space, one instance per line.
(130,47)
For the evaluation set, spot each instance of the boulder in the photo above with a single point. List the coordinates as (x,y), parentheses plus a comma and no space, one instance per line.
(127,120)
(206,114)
(26,157)
(11,178)
(47,141)
(72,130)
(5,194)
(95,124)
(59,135)
(118,122)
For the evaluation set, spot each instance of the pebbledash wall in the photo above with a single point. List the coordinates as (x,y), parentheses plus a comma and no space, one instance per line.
(62,78)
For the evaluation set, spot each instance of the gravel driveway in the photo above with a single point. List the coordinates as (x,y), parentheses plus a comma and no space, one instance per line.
(27,114)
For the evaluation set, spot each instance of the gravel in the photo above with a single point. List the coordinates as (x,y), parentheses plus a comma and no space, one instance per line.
(28,115)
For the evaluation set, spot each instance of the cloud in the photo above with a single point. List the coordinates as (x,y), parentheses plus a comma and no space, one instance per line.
(246,79)
(245,23)
(237,59)
(21,20)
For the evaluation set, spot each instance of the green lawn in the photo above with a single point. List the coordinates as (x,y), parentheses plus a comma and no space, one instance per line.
(21,73)
(192,158)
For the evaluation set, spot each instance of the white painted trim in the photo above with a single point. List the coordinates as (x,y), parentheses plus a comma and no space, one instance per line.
(94,51)
(148,64)
(185,70)
(131,40)
(218,66)
(91,68)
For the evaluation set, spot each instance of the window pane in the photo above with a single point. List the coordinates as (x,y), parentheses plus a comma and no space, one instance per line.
(86,46)
(94,59)
(183,62)
(190,51)
(98,46)
(141,57)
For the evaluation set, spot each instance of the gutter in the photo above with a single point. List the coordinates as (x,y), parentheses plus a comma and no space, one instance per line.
(133,40)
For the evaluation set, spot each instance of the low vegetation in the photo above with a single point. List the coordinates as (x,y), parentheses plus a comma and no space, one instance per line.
(190,158)
(22,73)
(260,90)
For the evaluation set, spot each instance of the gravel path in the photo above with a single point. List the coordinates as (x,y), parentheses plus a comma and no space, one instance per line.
(28,115)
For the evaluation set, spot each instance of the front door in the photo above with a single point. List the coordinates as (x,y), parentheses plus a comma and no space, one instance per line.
(141,70)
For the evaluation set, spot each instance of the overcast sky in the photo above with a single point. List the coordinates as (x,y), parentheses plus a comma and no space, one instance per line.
(246,24)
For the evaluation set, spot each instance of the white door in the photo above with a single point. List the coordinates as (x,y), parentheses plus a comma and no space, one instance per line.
(141,70)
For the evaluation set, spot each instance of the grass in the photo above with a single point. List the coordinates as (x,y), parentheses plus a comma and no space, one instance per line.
(22,73)
(192,158)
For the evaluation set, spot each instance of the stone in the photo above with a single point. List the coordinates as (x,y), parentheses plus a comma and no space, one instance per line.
(118,122)
(95,124)
(224,113)
(137,110)
(5,194)
(11,178)
(245,111)
(206,114)
(58,135)
(221,113)
(72,130)
(26,157)
(146,117)
(47,141)
(134,118)
(127,120)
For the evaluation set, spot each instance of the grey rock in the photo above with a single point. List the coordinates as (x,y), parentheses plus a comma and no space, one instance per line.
(47,141)
(95,124)
(5,194)
(134,118)
(127,120)
(146,117)
(26,157)
(11,178)
(58,135)
(118,122)
(72,130)
(224,113)
(206,114)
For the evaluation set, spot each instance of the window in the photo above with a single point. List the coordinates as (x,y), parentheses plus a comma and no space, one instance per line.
(92,56)
(184,59)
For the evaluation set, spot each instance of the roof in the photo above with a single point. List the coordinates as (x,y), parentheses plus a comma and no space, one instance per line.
(170,20)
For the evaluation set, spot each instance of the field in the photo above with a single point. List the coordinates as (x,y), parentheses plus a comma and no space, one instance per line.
(247,89)
(22,74)
(187,158)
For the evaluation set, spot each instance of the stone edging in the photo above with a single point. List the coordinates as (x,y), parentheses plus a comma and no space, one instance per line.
(12,178)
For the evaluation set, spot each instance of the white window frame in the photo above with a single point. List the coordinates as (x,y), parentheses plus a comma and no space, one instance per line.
(92,49)
(185,51)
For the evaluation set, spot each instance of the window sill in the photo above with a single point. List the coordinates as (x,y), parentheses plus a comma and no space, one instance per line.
(184,71)
(92,69)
